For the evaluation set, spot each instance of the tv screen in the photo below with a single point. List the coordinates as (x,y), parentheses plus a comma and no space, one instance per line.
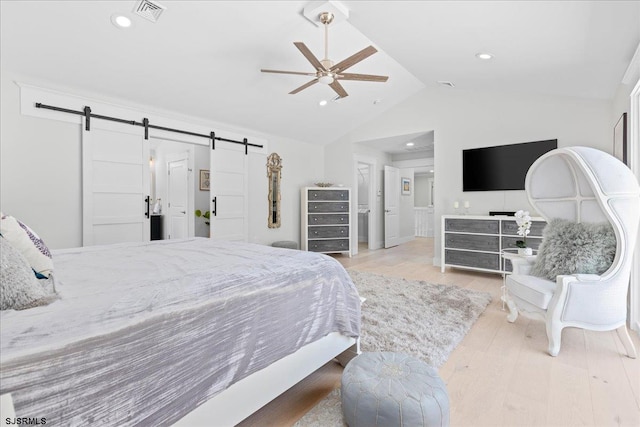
(503,167)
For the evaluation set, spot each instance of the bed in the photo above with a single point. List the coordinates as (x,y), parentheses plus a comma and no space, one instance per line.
(148,333)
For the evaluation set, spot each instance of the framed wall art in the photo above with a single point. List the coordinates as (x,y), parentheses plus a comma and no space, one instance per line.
(406,186)
(204,180)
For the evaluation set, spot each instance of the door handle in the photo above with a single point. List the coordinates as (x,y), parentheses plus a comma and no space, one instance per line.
(387,210)
(183,212)
(147,201)
(215,206)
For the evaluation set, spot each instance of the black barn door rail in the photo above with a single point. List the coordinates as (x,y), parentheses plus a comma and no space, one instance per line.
(86,112)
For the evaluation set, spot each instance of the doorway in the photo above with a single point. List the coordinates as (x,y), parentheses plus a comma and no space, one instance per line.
(173,187)
(365,202)
(178,185)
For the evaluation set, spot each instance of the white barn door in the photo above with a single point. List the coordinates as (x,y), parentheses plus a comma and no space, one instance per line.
(115,184)
(228,192)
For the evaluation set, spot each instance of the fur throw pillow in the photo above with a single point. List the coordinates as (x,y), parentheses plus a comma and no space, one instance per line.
(19,288)
(574,248)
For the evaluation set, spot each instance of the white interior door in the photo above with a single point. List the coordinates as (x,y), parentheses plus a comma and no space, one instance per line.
(115,184)
(178,196)
(228,179)
(391,206)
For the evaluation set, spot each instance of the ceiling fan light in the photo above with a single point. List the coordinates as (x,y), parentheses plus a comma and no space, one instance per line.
(326,79)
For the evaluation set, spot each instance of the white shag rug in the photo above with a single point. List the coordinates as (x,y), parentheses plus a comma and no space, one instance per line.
(422,319)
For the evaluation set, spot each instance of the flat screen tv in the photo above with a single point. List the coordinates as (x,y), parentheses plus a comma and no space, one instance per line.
(502,167)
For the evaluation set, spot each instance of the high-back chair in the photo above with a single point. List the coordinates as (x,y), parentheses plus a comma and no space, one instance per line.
(582,185)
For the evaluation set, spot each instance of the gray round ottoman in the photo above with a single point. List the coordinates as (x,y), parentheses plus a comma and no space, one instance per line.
(289,244)
(393,389)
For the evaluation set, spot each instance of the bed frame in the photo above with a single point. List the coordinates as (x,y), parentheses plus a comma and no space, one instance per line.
(245,397)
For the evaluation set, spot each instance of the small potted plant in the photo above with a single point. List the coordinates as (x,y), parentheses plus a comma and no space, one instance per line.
(523,219)
(206,215)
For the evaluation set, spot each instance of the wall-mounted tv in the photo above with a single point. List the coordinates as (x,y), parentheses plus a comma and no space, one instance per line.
(502,167)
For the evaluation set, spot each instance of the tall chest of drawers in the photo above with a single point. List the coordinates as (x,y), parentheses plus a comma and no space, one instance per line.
(326,220)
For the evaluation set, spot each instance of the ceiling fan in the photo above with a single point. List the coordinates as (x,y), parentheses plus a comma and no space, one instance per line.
(326,71)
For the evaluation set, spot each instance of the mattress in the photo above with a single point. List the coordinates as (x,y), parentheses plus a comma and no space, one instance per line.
(145,332)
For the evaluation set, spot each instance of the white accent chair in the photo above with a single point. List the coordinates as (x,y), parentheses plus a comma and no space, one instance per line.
(580,184)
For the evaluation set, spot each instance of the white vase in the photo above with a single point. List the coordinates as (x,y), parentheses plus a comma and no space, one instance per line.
(525,251)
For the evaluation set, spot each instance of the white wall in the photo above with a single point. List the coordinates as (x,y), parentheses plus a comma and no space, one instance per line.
(40,170)
(464,119)
(622,104)
(422,186)
(407,230)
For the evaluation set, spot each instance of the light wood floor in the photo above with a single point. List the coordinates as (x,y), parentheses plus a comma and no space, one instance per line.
(500,374)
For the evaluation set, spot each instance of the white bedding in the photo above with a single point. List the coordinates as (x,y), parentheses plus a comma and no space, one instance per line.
(145,332)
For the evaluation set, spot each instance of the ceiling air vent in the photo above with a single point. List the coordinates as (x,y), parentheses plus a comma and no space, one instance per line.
(149,10)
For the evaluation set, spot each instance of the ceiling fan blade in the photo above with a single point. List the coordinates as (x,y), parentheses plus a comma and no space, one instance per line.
(354,59)
(304,86)
(310,57)
(363,77)
(287,72)
(337,87)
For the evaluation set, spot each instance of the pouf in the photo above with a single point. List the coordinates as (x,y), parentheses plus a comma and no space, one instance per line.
(289,244)
(393,389)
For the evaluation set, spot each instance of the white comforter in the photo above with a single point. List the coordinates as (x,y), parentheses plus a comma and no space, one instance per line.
(145,332)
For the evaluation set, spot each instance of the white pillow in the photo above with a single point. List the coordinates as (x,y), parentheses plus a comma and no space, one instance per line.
(19,288)
(28,243)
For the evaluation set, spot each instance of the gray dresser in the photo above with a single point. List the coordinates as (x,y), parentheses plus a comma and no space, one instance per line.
(326,220)
(475,242)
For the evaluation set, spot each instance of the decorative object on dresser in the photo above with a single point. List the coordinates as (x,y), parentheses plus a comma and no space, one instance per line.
(523,219)
(475,242)
(274,167)
(326,220)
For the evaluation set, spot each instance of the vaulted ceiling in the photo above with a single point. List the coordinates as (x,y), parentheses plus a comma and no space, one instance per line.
(203,58)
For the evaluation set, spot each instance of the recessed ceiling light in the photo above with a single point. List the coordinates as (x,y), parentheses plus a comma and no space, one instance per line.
(410,144)
(121,21)
(323,102)
(485,56)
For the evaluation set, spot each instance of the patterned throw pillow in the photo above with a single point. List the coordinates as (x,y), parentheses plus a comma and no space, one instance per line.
(19,289)
(574,248)
(29,244)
